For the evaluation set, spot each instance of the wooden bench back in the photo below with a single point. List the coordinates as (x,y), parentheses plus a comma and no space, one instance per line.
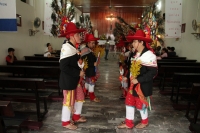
(186,77)
(28,71)
(36,63)
(176,60)
(183,58)
(172,69)
(31,83)
(178,64)
(41,58)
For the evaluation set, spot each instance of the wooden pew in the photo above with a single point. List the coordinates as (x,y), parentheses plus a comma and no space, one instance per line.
(178,64)
(168,71)
(41,58)
(195,91)
(36,63)
(176,60)
(183,58)
(11,119)
(180,78)
(6,110)
(41,55)
(49,73)
(194,97)
(38,71)
(12,91)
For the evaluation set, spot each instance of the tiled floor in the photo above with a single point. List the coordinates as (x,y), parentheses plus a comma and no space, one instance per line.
(103,117)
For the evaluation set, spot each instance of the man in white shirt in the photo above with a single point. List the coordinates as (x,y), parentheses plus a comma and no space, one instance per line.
(48,51)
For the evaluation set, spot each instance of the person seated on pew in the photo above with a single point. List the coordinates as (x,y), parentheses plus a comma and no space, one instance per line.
(49,51)
(169,49)
(10,58)
(164,53)
(172,53)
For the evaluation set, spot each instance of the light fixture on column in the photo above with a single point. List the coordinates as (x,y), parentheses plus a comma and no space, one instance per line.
(110,18)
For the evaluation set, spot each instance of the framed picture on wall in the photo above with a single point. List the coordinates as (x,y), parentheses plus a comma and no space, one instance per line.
(19,20)
(183,28)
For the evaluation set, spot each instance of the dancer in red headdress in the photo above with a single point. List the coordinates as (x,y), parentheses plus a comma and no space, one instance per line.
(143,70)
(90,72)
(70,75)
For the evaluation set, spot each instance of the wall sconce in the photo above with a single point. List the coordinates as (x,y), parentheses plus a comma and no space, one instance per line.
(32,32)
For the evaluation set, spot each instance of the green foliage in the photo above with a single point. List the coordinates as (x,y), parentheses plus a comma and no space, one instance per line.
(53,17)
(161,30)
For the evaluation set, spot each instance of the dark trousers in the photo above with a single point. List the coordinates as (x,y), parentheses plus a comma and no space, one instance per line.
(106,56)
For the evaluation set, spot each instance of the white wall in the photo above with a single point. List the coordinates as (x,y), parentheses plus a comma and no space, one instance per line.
(187,46)
(20,40)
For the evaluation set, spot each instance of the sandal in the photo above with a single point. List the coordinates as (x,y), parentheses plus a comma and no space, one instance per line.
(81,119)
(141,125)
(71,126)
(97,100)
(123,125)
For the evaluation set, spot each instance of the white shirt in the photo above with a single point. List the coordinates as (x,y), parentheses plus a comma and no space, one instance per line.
(46,54)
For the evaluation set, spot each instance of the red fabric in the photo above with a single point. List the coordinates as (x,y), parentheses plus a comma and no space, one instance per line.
(141,95)
(124,93)
(90,37)
(97,75)
(79,94)
(145,121)
(133,101)
(120,78)
(92,96)
(65,123)
(77,45)
(76,117)
(129,123)
(8,58)
(67,28)
(85,91)
(120,44)
(139,35)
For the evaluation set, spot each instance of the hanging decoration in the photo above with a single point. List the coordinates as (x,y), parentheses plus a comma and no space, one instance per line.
(152,24)
(84,22)
(59,13)
(122,29)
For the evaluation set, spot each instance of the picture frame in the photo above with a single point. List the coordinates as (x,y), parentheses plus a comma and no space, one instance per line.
(19,20)
(183,28)
(42,25)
